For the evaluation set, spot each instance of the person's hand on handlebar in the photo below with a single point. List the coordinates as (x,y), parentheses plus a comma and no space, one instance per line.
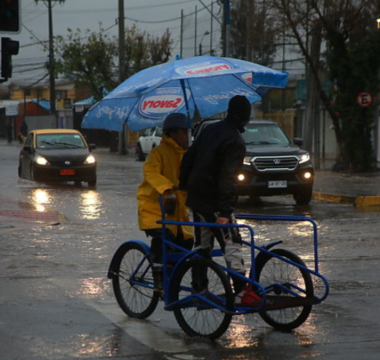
(222,220)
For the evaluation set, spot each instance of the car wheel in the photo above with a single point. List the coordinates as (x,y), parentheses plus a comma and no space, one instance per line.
(139,153)
(304,196)
(255,200)
(92,183)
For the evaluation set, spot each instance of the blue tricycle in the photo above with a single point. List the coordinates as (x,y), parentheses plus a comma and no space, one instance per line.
(279,276)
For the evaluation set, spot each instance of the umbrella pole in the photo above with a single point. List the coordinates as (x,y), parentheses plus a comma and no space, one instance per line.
(182,81)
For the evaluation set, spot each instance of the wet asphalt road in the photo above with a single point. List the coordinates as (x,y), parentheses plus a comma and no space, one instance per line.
(56,302)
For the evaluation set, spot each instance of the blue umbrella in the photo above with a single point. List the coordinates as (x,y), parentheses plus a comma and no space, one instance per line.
(202,83)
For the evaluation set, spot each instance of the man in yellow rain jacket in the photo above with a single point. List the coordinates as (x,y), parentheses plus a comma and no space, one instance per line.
(161,172)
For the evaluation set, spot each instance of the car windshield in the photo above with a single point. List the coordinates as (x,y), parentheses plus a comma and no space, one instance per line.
(265,134)
(60,141)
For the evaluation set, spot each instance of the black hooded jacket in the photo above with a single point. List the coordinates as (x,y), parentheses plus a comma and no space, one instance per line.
(209,167)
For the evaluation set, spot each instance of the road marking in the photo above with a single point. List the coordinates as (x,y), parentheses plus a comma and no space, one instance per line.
(143,331)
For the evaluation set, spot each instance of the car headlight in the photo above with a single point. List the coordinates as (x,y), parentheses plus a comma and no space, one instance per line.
(241,177)
(90,159)
(304,158)
(307,175)
(41,160)
(247,160)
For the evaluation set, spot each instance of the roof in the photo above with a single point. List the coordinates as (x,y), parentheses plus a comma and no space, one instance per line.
(55,131)
(43,103)
(88,101)
(91,100)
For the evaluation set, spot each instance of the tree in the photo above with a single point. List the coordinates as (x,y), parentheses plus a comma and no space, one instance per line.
(89,60)
(254,37)
(253,32)
(352,60)
(143,50)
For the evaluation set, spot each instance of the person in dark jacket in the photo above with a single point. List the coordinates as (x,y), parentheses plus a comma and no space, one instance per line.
(208,171)
(23,132)
(9,130)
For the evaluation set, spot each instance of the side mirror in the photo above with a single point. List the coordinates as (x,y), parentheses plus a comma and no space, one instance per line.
(92,146)
(298,141)
(28,149)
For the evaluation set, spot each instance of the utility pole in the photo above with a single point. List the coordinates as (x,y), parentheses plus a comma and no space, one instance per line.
(121,42)
(181,42)
(312,103)
(211,28)
(227,21)
(51,61)
(195,31)
(51,54)
(122,141)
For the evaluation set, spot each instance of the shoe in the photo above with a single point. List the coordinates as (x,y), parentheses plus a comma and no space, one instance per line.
(247,297)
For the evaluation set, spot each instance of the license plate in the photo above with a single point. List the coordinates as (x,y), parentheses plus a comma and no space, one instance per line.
(67,172)
(277,184)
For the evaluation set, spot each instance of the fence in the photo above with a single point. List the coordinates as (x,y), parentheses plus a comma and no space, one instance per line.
(284,118)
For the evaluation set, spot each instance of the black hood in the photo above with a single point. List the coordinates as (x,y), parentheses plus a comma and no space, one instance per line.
(239,111)
(265,150)
(69,154)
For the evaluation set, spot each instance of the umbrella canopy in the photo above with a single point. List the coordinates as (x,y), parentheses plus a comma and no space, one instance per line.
(202,83)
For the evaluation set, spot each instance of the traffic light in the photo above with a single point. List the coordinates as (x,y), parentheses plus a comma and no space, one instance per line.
(10,16)
(8,48)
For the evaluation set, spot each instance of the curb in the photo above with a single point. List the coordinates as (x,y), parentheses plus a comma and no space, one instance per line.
(367,201)
(346,199)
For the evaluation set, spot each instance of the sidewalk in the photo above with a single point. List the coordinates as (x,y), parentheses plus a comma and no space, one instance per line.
(360,189)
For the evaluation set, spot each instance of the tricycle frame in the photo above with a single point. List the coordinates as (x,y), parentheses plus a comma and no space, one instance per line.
(296,296)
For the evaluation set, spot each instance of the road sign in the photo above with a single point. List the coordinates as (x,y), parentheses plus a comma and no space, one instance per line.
(364,99)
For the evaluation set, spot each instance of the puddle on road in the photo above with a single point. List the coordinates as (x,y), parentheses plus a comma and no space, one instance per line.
(86,204)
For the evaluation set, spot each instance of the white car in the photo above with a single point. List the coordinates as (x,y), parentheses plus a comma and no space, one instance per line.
(149,139)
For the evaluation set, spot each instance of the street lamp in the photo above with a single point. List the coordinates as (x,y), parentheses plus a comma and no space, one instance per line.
(378,23)
(200,43)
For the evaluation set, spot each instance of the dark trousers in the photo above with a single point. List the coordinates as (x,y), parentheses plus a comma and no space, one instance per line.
(156,243)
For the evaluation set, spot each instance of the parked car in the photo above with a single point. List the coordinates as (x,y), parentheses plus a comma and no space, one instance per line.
(273,165)
(149,139)
(57,155)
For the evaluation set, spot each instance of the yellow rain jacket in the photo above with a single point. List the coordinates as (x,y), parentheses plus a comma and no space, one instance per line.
(161,172)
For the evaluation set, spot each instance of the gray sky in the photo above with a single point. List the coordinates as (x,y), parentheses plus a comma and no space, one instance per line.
(154,16)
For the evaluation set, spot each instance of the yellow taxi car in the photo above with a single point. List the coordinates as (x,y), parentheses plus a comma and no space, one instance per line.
(57,155)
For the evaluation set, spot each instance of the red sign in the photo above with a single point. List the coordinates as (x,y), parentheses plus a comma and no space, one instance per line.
(67,172)
(364,99)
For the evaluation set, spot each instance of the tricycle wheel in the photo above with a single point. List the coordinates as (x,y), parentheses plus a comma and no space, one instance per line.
(133,282)
(271,270)
(197,314)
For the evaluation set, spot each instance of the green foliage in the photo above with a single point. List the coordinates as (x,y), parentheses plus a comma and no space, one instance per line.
(143,50)
(88,59)
(253,32)
(354,67)
(350,53)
